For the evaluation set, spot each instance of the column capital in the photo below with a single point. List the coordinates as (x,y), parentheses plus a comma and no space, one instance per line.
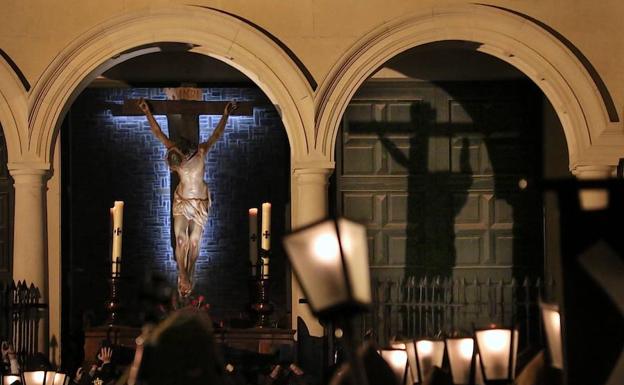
(594,171)
(594,199)
(28,165)
(314,164)
(309,175)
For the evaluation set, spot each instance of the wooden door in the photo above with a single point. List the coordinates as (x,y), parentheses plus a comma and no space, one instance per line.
(433,171)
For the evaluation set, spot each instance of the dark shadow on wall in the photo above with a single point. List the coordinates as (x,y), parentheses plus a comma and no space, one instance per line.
(486,156)
(430,222)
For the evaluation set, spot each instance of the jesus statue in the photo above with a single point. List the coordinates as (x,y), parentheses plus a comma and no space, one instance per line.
(191,200)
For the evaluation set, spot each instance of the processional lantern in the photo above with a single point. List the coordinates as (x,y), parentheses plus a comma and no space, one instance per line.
(40,377)
(398,362)
(460,353)
(330,261)
(590,299)
(422,356)
(552,326)
(429,354)
(61,379)
(412,367)
(498,349)
(10,379)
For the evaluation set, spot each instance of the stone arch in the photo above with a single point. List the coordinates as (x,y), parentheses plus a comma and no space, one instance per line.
(592,138)
(13,111)
(209,32)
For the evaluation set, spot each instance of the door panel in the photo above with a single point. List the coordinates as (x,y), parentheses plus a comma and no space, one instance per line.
(432,170)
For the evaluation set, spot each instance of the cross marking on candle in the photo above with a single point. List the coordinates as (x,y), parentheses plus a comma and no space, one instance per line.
(117,231)
(253,237)
(266,234)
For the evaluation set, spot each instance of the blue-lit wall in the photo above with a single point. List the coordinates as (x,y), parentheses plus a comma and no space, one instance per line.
(111,158)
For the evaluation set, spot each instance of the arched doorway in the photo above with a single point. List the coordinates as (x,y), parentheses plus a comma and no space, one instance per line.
(247,166)
(511,37)
(207,32)
(442,164)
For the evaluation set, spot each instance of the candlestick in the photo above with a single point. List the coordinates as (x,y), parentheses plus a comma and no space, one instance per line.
(253,236)
(264,269)
(117,212)
(266,226)
(261,308)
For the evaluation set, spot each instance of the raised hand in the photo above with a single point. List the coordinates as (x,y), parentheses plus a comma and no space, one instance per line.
(5,350)
(78,375)
(231,106)
(144,106)
(105,355)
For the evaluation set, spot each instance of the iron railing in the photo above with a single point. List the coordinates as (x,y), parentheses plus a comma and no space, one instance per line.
(22,313)
(428,307)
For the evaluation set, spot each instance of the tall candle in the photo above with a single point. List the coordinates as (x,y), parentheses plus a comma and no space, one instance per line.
(253,236)
(111,227)
(266,226)
(117,232)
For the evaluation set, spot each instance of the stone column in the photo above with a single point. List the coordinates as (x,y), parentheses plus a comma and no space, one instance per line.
(310,204)
(594,199)
(29,238)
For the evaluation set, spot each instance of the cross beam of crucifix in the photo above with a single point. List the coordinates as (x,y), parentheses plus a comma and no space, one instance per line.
(185,107)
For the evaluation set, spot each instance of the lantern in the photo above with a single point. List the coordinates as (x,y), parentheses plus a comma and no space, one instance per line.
(429,353)
(460,354)
(397,360)
(552,327)
(330,261)
(498,353)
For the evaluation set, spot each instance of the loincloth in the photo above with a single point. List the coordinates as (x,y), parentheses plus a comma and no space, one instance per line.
(193,209)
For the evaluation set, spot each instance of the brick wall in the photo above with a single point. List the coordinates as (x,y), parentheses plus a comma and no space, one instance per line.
(117,158)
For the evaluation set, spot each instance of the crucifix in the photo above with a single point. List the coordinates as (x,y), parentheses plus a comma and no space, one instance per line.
(190,196)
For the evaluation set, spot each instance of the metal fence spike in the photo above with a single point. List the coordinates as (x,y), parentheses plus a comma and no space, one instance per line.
(422,305)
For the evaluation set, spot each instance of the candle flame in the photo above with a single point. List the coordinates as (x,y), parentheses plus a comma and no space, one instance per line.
(496,340)
(424,348)
(466,347)
(326,248)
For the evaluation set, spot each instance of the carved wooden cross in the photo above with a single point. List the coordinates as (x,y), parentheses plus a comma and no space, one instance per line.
(183,115)
(183,121)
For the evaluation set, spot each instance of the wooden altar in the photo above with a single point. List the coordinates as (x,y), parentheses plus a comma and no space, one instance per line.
(255,340)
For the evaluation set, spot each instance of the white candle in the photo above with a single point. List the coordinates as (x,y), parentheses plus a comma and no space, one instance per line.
(117,211)
(253,236)
(111,227)
(266,226)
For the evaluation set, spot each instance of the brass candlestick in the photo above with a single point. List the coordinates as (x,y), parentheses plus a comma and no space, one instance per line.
(113,306)
(260,306)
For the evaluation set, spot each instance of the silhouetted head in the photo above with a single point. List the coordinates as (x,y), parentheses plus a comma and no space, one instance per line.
(182,350)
